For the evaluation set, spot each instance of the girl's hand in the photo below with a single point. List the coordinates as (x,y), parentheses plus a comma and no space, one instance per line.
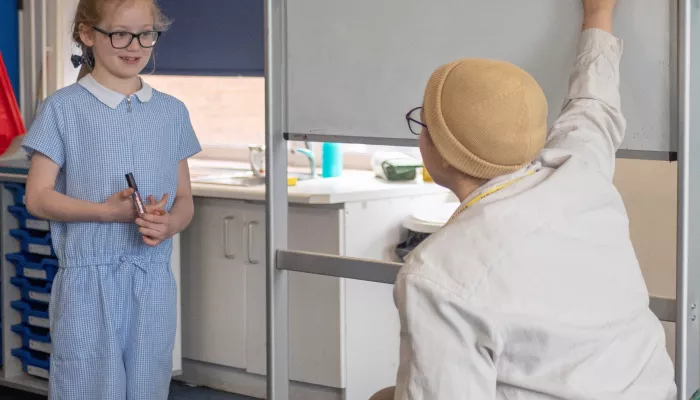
(598,14)
(155,225)
(119,207)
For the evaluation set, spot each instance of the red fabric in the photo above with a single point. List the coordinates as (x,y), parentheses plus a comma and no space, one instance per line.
(11,124)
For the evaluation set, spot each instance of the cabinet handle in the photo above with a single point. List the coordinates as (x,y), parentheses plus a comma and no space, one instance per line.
(228,255)
(250,242)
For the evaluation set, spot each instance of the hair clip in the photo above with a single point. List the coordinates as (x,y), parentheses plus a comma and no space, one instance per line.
(77,60)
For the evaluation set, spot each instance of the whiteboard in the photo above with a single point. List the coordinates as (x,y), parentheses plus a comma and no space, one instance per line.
(355,67)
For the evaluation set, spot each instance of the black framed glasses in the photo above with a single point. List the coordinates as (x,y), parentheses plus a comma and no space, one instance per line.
(413,119)
(122,39)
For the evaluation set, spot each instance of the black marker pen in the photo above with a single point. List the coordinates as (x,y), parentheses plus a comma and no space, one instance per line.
(138,203)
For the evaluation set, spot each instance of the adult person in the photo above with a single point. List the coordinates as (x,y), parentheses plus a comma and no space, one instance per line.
(532,290)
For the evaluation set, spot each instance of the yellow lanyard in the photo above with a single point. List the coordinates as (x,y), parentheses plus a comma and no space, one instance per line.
(487,193)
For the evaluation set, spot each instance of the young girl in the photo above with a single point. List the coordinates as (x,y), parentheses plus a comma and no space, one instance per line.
(113,305)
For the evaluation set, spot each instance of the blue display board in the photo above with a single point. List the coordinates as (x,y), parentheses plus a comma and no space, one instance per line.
(212,37)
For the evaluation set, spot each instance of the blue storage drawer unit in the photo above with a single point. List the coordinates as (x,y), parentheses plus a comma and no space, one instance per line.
(37,339)
(33,314)
(34,242)
(34,363)
(18,193)
(33,266)
(33,290)
(26,220)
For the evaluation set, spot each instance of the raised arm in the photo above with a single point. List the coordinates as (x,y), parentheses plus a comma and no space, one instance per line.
(591,125)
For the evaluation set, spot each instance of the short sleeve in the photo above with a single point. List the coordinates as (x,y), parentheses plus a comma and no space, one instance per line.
(188,144)
(46,134)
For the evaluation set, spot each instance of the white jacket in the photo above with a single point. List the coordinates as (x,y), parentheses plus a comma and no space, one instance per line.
(535,291)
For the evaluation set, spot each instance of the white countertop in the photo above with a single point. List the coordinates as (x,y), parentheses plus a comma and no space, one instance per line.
(352,186)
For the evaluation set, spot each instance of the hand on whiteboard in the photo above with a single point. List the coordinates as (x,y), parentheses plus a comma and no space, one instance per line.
(591,7)
(598,14)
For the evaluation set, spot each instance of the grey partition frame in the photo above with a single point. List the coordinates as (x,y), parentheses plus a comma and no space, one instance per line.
(276,207)
(688,256)
(683,311)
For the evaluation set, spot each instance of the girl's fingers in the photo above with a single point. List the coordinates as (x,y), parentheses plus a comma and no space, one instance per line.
(146,224)
(154,218)
(163,202)
(150,241)
(150,232)
(126,193)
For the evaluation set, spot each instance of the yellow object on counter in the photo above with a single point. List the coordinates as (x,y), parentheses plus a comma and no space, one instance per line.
(291,181)
(426,175)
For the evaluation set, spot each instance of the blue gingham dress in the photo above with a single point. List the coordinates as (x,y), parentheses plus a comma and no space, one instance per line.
(113,302)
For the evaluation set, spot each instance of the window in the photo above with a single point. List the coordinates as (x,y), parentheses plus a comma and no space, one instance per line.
(212,58)
(225,111)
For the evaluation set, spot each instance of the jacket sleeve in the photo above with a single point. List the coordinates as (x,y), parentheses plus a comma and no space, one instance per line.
(591,125)
(447,348)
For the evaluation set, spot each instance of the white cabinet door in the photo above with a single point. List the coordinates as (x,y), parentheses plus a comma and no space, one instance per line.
(315,330)
(256,340)
(175,266)
(214,284)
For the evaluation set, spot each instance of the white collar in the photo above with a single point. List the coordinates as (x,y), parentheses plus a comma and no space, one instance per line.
(111,98)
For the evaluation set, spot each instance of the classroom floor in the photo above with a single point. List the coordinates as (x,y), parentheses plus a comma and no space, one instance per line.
(178,391)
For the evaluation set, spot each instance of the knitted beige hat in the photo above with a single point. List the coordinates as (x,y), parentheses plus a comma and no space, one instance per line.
(486,117)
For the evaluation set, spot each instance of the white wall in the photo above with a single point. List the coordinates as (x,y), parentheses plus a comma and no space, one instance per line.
(649,190)
(70,74)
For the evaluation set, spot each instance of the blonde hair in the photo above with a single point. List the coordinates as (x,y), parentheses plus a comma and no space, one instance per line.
(91,13)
